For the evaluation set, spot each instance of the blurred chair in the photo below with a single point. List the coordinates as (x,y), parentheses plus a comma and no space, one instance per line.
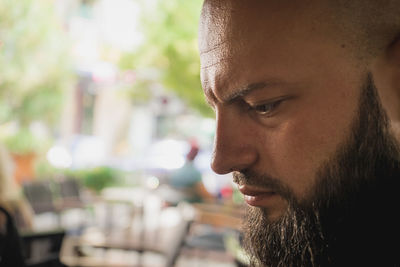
(165,239)
(42,249)
(75,207)
(212,225)
(182,229)
(58,197)
(70,195)
(40,196)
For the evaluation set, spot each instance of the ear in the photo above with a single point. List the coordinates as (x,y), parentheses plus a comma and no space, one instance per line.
(386,73)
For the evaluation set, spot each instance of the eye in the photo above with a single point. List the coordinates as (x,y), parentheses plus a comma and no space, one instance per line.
(265,109)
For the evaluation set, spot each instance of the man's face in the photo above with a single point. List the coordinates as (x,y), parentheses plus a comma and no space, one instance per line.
(285,93)
(303,129)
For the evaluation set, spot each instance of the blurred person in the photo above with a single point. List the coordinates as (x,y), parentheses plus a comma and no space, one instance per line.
(307,102)
(10,242)
(11,197)
(188,179)
(185,183)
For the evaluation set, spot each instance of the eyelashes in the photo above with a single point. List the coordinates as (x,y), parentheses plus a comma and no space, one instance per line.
(266,109)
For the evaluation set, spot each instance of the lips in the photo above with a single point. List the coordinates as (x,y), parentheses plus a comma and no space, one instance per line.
(256,196)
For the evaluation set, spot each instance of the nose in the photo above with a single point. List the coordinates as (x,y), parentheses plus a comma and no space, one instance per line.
(234,144)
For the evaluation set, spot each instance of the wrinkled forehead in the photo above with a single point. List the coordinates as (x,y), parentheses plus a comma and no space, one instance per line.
(231,25)
(222,20)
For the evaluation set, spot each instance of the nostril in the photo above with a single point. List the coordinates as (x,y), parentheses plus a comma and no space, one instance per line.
(231,162)
(218,167)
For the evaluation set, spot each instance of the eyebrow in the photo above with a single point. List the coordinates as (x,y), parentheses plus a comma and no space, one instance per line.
(246,90)
(211,98)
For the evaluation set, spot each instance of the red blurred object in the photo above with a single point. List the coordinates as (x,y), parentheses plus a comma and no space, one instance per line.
(194,150)
(226,192)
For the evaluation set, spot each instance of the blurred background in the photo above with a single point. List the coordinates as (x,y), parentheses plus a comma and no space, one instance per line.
(106,139)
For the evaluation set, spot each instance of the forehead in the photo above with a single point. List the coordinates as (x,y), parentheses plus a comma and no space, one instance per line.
(241,40)
(240,21)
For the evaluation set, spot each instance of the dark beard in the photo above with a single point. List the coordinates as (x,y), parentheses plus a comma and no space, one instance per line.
(350,219)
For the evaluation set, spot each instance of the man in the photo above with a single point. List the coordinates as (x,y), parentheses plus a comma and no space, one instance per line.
(307,102)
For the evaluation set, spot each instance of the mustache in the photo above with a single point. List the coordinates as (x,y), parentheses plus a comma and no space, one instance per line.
(264,181)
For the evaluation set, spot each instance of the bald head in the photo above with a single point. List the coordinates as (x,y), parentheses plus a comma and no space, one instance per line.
(366,27)
(374,25)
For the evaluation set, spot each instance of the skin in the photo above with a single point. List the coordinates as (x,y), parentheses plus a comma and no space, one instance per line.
(285,90)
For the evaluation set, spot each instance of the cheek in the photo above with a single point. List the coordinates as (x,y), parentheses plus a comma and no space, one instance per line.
(298,147)
(294,156)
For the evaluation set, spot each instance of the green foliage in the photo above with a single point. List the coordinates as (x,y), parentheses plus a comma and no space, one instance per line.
(139,92)
(44,170)
(170,46)
(97,178)
(22,142)
(34,64)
